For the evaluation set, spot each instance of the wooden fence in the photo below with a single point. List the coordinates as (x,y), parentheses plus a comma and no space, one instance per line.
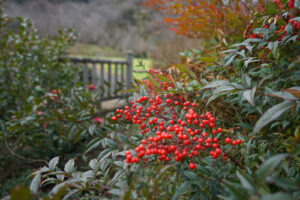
(110,75)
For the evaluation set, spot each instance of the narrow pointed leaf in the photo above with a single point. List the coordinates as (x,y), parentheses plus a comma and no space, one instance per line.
(272,114)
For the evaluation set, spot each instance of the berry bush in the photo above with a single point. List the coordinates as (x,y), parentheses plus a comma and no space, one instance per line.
(43,110)
(172,129)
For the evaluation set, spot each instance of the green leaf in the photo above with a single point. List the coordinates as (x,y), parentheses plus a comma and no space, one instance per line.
(249,96)
(69,166)
(245,182)
(223,89)
(284,95)
(278,196)
(190,175)
(69,194)
(110,143)
(35,183)
(53,162)
(163,78)
(183,188)
(268,167)
(60,188)
(284,183)
(296,18)
(250,60)
(123,137)
(230,60)
(247,80)
(93,163)
(234,191)
(296,150)
(92,144)
(20,193)
(272,114)
(116,192)
(213,97)
(216,84)
(182,68)
(206,59)
(297,4)
(179,86)
(153,82)
(104,154)
(289,28)
(92,129)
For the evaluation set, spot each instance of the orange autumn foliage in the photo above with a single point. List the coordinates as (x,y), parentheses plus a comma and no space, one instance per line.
(205,18)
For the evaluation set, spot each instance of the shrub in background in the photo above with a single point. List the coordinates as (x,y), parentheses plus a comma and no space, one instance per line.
(36,99)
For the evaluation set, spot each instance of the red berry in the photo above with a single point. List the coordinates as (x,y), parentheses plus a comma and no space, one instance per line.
(227,140)
(144,141)
(192,166)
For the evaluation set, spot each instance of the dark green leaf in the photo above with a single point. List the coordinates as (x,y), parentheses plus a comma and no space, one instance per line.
(183,188)
(20,193)
(272,114)
(234,191)
(92,144)
(247,184)
(268,167)
(278,196)
(284,183)
(289,28)
(216,84)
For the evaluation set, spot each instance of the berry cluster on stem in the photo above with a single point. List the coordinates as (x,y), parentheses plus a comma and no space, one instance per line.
(173,129)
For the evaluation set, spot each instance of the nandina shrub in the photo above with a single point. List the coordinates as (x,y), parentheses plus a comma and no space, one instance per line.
(252,169)
(172,128)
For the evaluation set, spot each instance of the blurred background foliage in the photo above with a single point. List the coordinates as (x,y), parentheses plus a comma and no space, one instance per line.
(112,25)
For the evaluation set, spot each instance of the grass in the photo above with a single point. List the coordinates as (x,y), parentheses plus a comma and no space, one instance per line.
(141,64)
(92,50)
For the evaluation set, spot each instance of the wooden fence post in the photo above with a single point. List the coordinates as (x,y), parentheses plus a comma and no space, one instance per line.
(94,74)
(85,74)
(129,69)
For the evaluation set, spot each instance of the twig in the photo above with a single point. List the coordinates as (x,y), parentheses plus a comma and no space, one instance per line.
(21,157)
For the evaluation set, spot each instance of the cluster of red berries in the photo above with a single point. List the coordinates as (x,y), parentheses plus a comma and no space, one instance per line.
(290,4)
(173,130)
(295,24)
(155,74)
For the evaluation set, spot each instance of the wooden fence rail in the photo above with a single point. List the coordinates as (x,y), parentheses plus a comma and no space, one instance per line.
(110,75)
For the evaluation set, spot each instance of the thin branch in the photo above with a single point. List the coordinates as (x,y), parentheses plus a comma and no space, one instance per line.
(22,157)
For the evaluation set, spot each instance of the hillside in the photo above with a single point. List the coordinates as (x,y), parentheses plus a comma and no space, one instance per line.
(118,24)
